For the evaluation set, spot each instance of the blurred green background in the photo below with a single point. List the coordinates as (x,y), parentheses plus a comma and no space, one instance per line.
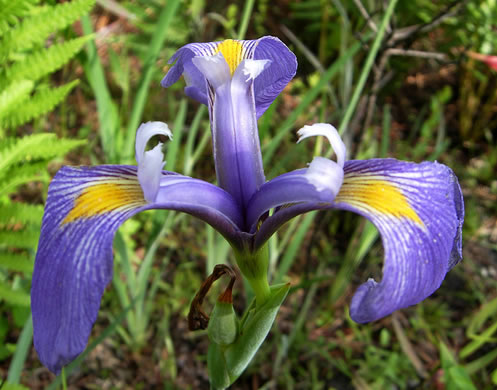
(76,80)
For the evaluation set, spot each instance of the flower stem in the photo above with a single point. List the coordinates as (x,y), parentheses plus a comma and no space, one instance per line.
(261,290)
(254,267)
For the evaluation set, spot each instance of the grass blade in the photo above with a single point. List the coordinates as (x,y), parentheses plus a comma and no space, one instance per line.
(156,44)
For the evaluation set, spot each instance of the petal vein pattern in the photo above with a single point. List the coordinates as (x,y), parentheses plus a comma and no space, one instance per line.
(74,259)
(418,211)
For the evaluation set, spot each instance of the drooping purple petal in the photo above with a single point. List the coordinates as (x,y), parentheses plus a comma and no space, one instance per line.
(73,265)
(266,88)
(419,212)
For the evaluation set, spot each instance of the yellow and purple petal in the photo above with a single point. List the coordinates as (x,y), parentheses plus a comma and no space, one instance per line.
(267,87)
(419,211)
(73,265)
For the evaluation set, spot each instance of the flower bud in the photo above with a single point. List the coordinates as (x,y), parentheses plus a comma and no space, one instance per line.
(223,323)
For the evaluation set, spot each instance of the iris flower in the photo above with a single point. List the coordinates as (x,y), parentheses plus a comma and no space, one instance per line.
(417,208)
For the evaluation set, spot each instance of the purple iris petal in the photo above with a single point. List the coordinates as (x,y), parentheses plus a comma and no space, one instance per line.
(235,137)
(267,87)
(290,188)
(73,265)
(418,211)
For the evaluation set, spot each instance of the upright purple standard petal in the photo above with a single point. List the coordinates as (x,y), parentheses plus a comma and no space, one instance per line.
(237,154)
(419,212)
(281,70)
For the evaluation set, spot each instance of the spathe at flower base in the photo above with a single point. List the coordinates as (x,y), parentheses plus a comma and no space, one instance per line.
(238,80)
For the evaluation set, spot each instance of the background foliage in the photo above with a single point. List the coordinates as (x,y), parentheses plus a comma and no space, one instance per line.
(423,98)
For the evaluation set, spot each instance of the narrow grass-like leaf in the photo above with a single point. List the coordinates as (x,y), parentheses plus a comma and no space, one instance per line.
(482,362)
(107,110)
(190,141)
(178,130)
(21,353)
(456,377)
(368,64)
(269,149)
(247,12)
(293,249)
(158,39)
(479,341)
(359,246)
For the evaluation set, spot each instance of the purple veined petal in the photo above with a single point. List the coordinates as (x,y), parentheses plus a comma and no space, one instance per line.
(150,163)
(202,200)
(73,265)
(267,87)
(320,182)
(237,153)
(419,212)
(299,186)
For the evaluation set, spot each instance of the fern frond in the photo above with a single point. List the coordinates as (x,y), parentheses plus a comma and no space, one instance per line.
(20,149)
(23,239)
(16,262)
(35,147)
(12,10)
(13,95)
(23,213)
(14,297)
(45,61)
(35,29)
(41,103)
(23,174)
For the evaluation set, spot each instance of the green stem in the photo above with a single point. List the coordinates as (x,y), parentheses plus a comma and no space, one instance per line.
(254,267)
(261,289)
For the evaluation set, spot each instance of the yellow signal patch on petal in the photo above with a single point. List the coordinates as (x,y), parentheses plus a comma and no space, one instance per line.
(232,52)
(106,197)
(378,195)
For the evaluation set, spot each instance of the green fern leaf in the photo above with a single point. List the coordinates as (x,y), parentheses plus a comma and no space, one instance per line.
(23,213)
(12,10)
(16,262)
(35,29)
(13,95)
(19,149)
(35,147)
(14,297)
(41,103)
(23,239)
(23,174)
(45,61)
